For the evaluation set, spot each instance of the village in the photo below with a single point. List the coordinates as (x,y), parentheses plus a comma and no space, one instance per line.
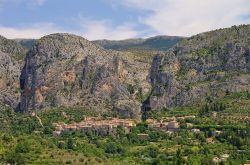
(108,127)
(99,127)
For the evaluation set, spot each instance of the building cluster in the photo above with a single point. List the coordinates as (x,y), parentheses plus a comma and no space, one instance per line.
(91,125)
(109,126)
(166,126)
(218,160)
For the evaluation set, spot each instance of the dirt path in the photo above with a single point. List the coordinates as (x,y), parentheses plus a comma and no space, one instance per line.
(39,120)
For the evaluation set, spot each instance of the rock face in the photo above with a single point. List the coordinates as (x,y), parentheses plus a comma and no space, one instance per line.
(11,54)
(200,67)
(67,70)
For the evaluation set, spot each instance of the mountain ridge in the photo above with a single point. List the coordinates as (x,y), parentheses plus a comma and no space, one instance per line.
(202,66)
(64,69)
(151,43)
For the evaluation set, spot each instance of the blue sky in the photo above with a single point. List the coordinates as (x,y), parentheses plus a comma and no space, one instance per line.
(119,19)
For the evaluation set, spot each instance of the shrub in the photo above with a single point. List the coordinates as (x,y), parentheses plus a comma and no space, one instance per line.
(68,162)
(113,148)
(81,159)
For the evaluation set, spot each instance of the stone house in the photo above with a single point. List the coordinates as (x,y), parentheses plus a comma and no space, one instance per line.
(143,136)
(173,126)
(195,130)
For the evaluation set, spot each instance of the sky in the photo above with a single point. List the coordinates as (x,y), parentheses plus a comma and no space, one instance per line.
(119,19)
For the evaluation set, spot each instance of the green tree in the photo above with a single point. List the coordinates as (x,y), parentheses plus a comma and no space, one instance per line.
(113,148)
(18,154)
(120,132)
(7,138)
(248,95)
(12,157)
(47,130)
(204,111)
(153,152)
(178,158)
(130,88)
(70,143)
(23,147)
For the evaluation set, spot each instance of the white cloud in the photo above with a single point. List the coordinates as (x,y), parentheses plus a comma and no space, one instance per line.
(169,17)
(39,2)
(30,31)
(104,29)
(31,4)
(188,17)
(89,29)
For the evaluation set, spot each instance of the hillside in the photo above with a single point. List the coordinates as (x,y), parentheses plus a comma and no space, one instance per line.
(153,43)
(67,70)
(83,104)
(156,43)
(202,68)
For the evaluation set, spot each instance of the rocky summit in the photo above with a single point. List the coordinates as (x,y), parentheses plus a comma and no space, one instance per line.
(67,70)
(201,68)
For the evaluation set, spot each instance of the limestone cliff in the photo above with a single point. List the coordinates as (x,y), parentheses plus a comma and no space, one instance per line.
(202,67)
(67,70)
(11,55)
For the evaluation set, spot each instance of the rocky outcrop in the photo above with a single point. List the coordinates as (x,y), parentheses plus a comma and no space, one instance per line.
(67,70)
(202,66)
(11,54)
